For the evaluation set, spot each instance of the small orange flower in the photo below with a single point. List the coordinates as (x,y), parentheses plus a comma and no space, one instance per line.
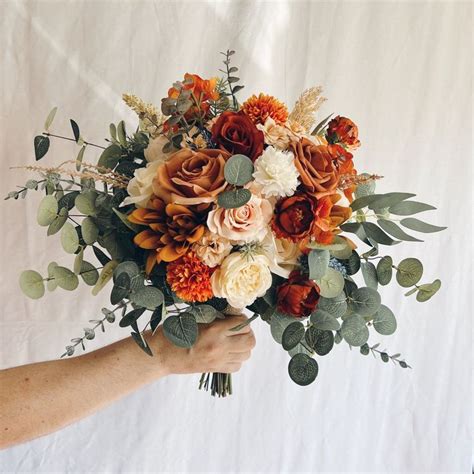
(190,279)
(264,106)
(328,218)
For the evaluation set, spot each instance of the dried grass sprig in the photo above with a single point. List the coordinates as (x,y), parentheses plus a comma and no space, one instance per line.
(151,118)
(348,180)
(306,107)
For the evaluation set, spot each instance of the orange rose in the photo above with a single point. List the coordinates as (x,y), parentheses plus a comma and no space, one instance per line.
(328,218)
(298,296)
(237,134)
(315,164)
(191,177)
(294,217)
(343,130)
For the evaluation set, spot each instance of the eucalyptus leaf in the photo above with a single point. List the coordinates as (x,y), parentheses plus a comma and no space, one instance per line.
(389,199)
(69,238)
(302,369)
(47,210)
(204,313)
(411,292)
(420,226)
(408,208)
(65,278)
(75,130)
(384,270)
(89,273)
(234,199)
(85,203)
(331,284)
(68,200)
(141,342)
(369,272)
(122,133)
(409,272)
(336,306)
(80,157)
(366,188)
(181,330)
(50,118)
(395,231)
(321,341)
(364,301)
(121,288)
(354,330)
(352,264)
(384,321)
(292,335)
(51,283)
(278,324)
(325,321)
(105,276)
(238,170)
(124,218)
(32,284)
(338,244)
(148,297)
(41,144)
(110,157)
(318,261)
(131,317)
(58,223)
(89,230)
(378,235)
(426,291)
(78,262)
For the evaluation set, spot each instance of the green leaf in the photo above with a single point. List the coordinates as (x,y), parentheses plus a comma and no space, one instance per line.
(47,210)
(278,324)
(238,170)
(124,218)
(354,330)
(410,292)
(110,157)
(325,321)
(321,341)
(426,291)
(78,262)
(58,223)
(133,272)
(69,238)
(344,253)
(377,234)
(393,229)
(363,201)
(384,270)
(80,157)
(41,144)
(420,226)
(89,230)
(50,118)
(352,264)
(302,369)
(384,321)
(181,330)
(388,200)
(85,203)
(338,244)
(407,208)
(384,356)
(364,301)
(105,275)
(318,261)
(131,317)
(409,272)
(234,199)
(366,188)
(32,284)
(65,278)
(321,125)
(75,130)
(68,200)
(204,313)
(369,272)
(122,133)
(331,284)
(89,273)
(148,297)
(141,342)
(121,288)
(299,349)
(51,283)
(292,335)
(365,349)
(336,306)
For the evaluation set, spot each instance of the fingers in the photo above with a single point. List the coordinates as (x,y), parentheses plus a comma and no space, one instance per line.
(241,343)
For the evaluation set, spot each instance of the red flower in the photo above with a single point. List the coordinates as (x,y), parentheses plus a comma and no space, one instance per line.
(298,296)
(237,134)
(343,130)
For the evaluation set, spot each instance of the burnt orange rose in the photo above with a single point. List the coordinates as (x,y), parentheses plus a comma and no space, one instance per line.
(343,130)
(294,217)
(191,177)
(328,218)
(298,296)
(315,164)
(237,134)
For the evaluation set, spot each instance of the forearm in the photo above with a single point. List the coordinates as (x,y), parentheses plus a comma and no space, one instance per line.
(37,399)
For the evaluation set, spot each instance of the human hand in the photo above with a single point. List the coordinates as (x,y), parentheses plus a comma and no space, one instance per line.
(217,349)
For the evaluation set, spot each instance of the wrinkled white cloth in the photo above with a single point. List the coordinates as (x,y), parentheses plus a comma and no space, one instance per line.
(401,71)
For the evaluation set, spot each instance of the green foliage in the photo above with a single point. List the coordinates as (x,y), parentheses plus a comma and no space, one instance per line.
(331,284)
(49,119)
(58,222)
(121,288)
(233,199)
(407,208)
(110,157)
(318,261)
(324,320)
(420,226)
(41,144)
(89,230)
(321,341)
(364,301)
(292,335)
(278,324)
(89,273)
(47,211)
(302,369)
(395,231)
(354,330)
(426,291)
(69,238)
(131,317)
(75,130)
(181,330)
(365,189)
(377,234)
(65,278)
(384,270)
(409,272)
(85,203)
(336,306)
(379,201)
(238,170)
(384,321)
(369,272)
(203,313)
(148,297)
(32,284)
(105,276)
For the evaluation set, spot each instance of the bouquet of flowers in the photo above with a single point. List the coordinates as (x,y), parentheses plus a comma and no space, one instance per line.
(211,207)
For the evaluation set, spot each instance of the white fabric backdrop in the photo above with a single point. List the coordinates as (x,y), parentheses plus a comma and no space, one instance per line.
(402,71)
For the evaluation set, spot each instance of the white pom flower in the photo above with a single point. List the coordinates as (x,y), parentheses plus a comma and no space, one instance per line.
(276,173)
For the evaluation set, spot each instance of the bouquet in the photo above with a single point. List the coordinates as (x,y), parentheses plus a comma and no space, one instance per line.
(212,206)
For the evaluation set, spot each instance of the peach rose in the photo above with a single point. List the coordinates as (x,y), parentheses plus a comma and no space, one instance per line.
(315,163)
(244,224)
(191,177)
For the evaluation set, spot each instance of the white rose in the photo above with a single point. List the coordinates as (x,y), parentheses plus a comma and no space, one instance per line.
(139,188)
(241,279)
(154,151)
(212,249)
(276,173)
(244,224)
(282,254)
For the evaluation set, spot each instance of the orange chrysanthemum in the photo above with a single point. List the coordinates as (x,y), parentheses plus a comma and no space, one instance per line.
(190,279)
(264,106)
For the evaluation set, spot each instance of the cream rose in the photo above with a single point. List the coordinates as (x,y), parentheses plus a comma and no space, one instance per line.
(241,279)
(244,224)
(282,254)
(154,151)
(212,249)
(139,188)
(274,134)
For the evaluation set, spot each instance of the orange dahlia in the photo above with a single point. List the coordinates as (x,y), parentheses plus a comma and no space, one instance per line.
(264,106)
(190,278)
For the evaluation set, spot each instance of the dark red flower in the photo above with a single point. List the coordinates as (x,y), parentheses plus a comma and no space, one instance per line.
(298,296)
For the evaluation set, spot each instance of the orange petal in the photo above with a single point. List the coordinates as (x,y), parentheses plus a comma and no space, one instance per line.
(147,240)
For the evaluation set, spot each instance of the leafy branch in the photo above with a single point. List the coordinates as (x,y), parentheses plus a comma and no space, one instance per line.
(384,356)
